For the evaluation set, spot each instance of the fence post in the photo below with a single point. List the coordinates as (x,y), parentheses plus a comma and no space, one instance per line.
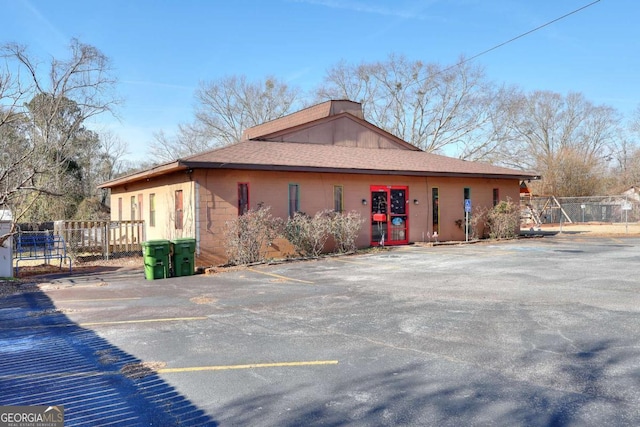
(105,239)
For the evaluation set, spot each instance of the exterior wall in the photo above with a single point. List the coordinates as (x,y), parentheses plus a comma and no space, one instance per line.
(164,191)
(218,201)
(343,132)
(210,199)
(451,200)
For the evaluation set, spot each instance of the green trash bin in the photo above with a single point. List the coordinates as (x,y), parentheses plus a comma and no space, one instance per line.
(183,256)
(156,259)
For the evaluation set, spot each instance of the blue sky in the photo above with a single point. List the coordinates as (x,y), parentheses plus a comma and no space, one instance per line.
(161,50)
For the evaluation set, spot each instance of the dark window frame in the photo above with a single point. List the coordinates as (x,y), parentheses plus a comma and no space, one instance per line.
(338,198)
(152,210)
(243,198)
(179,209)
(294,202)
(435,206)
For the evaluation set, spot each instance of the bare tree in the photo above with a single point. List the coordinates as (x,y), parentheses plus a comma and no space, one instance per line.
(429,105)
(191,139)
(42,120)
(561,137)
(626,172)
(224,109)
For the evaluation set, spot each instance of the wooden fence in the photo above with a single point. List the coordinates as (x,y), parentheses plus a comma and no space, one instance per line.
(102,237)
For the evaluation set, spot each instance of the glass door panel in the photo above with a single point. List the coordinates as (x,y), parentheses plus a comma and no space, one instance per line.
(389,215)
(398,215)
(379,209)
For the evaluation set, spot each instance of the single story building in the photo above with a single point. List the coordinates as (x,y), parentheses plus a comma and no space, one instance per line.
(323,157)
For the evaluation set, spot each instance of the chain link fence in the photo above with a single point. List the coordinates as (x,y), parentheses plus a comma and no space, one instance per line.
(554,210)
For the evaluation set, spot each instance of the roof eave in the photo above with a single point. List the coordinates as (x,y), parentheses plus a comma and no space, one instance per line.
(288,168)
(145,174)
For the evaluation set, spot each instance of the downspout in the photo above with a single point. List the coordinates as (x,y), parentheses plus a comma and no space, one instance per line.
(196,215)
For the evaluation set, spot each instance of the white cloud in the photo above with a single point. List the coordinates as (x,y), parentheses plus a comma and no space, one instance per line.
(369,7)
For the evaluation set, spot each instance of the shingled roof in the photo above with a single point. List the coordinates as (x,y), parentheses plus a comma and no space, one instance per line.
(255,153)
(264,155)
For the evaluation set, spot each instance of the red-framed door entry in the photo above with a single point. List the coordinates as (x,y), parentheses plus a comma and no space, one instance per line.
(389,215)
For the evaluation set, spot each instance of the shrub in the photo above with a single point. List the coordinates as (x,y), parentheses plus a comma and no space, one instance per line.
(503,220)
(345,228)
(478,223)
(249,236)
(307,234)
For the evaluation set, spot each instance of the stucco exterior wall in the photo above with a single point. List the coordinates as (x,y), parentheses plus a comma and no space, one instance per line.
(218,201)
(163,190)
(210,199)
(343,131)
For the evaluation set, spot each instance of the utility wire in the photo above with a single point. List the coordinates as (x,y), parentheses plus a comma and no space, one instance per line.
(521,35)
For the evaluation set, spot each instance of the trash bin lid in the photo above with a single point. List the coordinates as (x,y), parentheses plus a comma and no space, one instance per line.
(158,242)
(184,240)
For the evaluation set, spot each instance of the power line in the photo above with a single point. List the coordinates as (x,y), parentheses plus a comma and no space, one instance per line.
(522,35)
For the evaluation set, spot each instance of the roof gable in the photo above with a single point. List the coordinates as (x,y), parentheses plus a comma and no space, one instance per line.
(307,115)
(344,130)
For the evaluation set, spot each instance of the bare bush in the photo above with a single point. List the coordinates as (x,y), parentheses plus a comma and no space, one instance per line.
(307,234)
(249,236)
(345,228)
(478,223)
(504,220)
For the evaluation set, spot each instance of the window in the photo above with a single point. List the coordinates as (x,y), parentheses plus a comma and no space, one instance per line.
(178,209)
(243,198)
(496,196)
(436,210)
(294,199)
(152,210)
(140,204)
(119,208)
(133,208)
(338,198)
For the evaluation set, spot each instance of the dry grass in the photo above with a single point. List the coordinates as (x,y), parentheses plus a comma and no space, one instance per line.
(141,369)
(596,228)
(203,299)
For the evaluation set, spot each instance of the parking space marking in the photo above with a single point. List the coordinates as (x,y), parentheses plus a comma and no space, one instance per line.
(113,322)
(376,264)
(46,375)
(279,276)
(351,262)
(99,299)
(128,322)
(246,366)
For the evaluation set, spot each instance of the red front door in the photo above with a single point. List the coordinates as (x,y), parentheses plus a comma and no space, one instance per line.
(389,215)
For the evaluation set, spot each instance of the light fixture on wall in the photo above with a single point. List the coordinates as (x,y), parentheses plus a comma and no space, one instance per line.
(364,201)
(416,202)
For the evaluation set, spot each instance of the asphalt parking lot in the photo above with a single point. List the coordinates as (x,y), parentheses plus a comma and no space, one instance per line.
(534,332)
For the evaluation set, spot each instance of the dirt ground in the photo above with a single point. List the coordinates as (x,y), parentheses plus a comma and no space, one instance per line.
(31,273)
(594,228)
